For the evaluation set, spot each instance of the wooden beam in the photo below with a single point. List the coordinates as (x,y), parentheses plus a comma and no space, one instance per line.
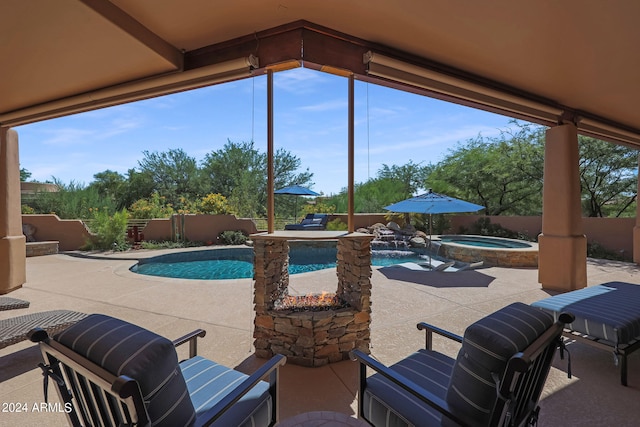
(135,29)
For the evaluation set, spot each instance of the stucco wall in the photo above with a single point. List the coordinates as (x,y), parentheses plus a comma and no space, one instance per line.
(197,228)
(615,234)
(70,233)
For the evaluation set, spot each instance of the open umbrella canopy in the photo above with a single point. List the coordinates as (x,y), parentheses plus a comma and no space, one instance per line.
(433,203)
(296,190)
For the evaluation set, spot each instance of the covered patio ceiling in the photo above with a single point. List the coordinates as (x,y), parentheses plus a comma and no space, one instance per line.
(545,61)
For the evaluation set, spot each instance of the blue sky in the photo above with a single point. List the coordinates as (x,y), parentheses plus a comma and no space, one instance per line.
(310,121)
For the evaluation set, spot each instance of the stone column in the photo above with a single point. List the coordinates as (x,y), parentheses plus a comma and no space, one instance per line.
(636,229)
(562,262)
(12,241)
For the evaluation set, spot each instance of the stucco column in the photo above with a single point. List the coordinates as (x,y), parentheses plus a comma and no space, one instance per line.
(562,260)
(12,241)
(636,229)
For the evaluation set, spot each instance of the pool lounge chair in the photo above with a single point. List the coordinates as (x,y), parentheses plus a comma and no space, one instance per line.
(496,379)
(111,372)
(310,222)
(425,266)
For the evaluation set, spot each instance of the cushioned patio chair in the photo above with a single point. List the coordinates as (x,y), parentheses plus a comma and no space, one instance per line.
(310,222)
(113,373)
(496,379)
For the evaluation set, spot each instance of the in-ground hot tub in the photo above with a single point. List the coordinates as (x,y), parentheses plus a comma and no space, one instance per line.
(493,251)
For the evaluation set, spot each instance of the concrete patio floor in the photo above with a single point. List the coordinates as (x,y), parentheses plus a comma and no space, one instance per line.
(172,307)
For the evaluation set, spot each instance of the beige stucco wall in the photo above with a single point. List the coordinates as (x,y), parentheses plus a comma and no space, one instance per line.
(70,233)
(614,234)
(197,228)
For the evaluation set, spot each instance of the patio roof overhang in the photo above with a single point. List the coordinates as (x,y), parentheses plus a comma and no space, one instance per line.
(544,61)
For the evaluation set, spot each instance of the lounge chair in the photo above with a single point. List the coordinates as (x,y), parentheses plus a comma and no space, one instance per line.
(310,222)
(426,266)
(607,317)
(496,379)
(7,303)
(16,329)
(110,372)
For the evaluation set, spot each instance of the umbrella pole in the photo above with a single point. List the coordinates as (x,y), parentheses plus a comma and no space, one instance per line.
(430,234)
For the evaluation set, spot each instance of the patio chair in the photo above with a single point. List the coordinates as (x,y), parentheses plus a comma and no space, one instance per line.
(111,372)
(310,222)
(496,379)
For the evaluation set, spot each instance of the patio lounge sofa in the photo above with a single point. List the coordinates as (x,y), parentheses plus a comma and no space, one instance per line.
(496,379)
(607,317)
(111,372)
(310,222)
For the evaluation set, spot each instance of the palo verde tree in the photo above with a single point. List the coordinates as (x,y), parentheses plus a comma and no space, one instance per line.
(504,174)
(238,171)
(174,173)
(608,178)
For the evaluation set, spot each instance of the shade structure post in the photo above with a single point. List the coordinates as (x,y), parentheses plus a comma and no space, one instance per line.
(351,160)
(270,170)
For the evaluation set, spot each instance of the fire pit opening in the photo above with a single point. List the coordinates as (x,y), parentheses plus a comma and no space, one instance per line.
(310,302)
(312,329)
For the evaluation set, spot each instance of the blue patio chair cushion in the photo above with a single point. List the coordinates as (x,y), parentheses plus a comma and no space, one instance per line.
(487,346)
(608,311)
(386,404)
(208,382)
(126,349)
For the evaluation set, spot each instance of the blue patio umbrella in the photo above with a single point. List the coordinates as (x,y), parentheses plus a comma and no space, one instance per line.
(433,203)
(296,190)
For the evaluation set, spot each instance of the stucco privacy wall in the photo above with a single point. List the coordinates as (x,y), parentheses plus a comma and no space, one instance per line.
(71,234)
(615,234)
(196,228)
(13,270)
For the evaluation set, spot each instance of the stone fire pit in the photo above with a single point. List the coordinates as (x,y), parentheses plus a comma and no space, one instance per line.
(311,332)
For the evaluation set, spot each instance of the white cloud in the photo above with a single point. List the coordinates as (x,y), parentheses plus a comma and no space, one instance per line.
(336,104)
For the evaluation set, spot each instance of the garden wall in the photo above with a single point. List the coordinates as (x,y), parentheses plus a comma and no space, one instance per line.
(70,233)
(614,234)
(196,228)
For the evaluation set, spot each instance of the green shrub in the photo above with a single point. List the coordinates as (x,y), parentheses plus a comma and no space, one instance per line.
(155,206)
(215,204)
(484,227)
(167,244)
(596,250)
(336,225)
(232,238)
(110,231)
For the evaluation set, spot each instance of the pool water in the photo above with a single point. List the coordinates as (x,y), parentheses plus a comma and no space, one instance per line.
(485,242)
(238,263)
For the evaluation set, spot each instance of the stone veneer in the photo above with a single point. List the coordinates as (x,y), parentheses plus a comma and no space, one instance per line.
(312,338)
(492,257)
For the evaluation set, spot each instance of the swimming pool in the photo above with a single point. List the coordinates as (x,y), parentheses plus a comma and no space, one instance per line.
(237,263)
